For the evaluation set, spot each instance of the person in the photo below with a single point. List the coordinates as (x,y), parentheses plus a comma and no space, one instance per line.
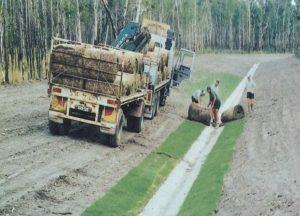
(215,104)
(215,86)
(250,91)
(196,96)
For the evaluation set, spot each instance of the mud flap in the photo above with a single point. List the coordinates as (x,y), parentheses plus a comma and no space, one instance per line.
(135,118)
(137,110)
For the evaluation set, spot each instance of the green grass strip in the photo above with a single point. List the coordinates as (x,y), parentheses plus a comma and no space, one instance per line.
(204,195)
(201,79)
(133,191)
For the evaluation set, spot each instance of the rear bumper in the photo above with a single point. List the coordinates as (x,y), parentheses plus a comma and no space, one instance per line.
(105,127)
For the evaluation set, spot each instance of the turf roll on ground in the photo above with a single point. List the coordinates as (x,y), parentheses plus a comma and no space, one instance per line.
(233,113)
(198,113)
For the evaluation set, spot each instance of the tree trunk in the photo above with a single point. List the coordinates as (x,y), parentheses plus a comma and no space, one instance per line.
(105,4)
(78,23)
(95,26)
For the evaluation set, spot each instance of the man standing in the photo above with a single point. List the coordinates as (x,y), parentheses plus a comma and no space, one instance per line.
(250,89)
(215,104)
(215,86)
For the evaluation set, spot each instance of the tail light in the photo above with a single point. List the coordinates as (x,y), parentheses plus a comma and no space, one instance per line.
(56,90)
(110,115)
(149,95)
(58,103)
(112,102)
(108,111)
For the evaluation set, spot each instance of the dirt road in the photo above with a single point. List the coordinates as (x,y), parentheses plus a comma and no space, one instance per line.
(43,174)
(265,174)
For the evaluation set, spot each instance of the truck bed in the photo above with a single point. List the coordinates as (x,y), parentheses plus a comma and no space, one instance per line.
(100,70)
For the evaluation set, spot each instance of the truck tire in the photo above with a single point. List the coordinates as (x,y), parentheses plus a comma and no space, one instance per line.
(154,107)
(162,102)
(115,140)
(54,127)
(59,129)
(139,122)
(157,103)
(135,124)
(130,123)
(163,97)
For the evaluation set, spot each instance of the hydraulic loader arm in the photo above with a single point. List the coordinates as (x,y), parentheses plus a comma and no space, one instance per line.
(132,37)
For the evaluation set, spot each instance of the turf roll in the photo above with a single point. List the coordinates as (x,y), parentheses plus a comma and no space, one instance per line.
(233,113)
(199,114)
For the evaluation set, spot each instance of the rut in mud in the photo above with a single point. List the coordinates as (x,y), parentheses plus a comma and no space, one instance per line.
(264,178)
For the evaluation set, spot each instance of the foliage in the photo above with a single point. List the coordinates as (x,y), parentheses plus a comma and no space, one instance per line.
(26,27)
(205,192)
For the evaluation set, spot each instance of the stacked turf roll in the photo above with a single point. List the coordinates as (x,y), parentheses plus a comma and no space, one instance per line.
(98,69)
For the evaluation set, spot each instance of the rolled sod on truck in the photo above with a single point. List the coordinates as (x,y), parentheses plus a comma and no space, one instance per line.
(97,69)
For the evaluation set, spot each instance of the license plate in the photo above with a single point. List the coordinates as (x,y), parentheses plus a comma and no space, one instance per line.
(83,108)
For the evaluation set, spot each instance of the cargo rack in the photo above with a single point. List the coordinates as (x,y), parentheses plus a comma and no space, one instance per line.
(117,95)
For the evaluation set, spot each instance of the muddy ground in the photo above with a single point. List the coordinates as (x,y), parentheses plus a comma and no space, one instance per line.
(43,174)
(264,178)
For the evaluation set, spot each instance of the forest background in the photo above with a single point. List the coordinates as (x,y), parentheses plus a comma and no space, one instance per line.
(27,27)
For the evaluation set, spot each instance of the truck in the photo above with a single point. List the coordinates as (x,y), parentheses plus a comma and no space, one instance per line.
(158,61)
(106,86)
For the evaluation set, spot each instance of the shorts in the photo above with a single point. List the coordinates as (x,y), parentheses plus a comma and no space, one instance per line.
(194,100)
(217,104)
(250,95)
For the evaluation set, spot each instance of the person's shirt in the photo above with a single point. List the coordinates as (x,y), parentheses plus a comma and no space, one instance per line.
(214,88)
(250,85)
(213,95)
(197,93)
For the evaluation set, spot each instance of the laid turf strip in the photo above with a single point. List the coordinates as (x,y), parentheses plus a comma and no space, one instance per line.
(204,195)
(132,192)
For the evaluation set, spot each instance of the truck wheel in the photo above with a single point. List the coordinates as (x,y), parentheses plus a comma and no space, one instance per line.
(115,140)
(135,124)
(65,127)
(130,123)
(163,98)
(59,129)
(154,108)
(139,122)
(54,127)
(157,104)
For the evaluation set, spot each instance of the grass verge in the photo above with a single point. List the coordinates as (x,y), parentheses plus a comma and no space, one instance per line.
(133,191)
(202,79)
(204,195)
